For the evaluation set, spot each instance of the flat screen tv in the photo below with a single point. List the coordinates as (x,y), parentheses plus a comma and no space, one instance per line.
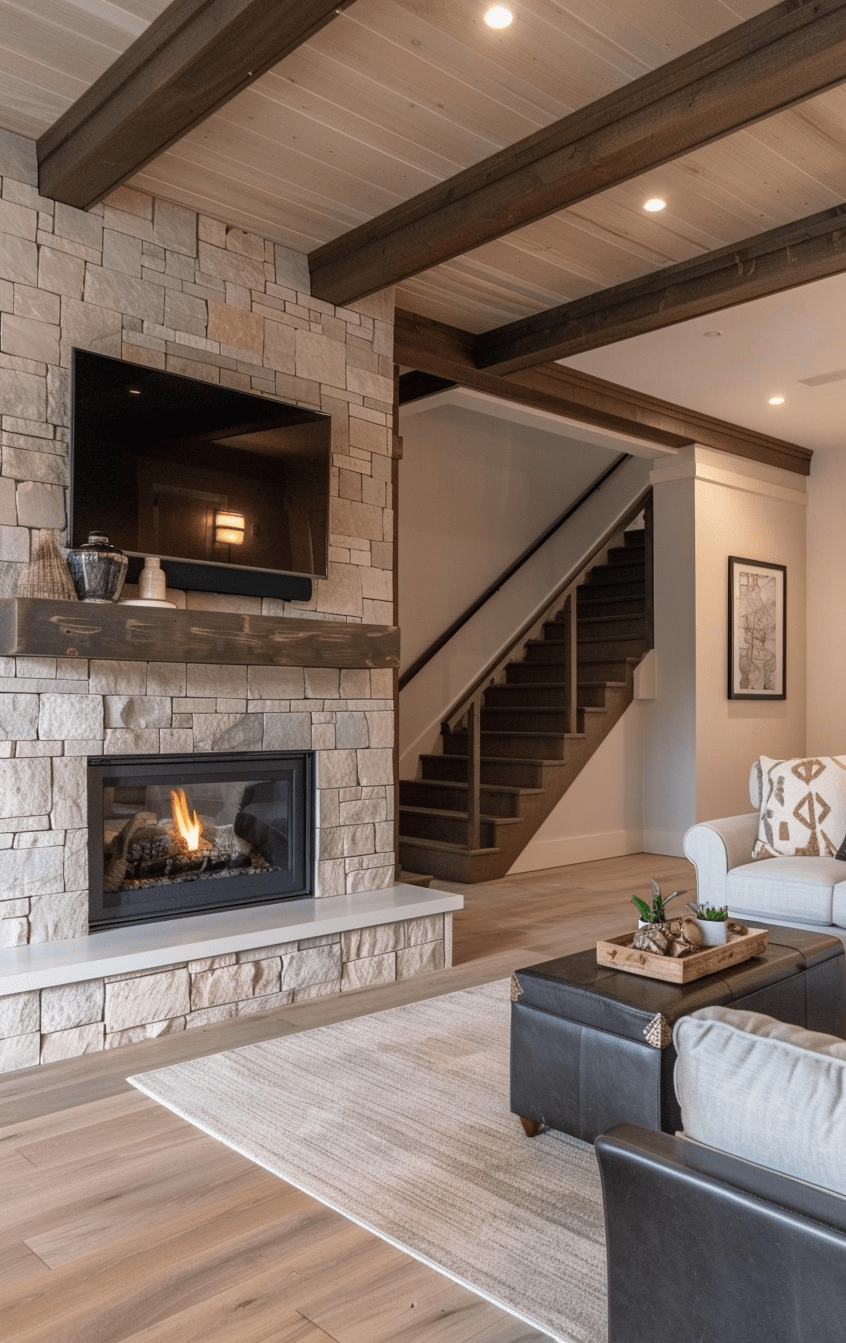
(229,489)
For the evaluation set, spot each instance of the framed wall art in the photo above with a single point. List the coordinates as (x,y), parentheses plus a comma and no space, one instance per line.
(757,629)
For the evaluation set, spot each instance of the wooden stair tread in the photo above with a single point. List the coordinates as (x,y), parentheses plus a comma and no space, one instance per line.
(445,814)
(418,842)
(512,788)
(535,685)
(597,620)
(527,732)
(527,759)
(598,661)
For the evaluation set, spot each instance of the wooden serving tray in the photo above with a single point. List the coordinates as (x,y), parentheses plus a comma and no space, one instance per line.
(619,954)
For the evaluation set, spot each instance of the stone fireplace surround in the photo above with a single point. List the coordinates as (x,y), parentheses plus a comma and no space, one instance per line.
(63,993)
(151,281)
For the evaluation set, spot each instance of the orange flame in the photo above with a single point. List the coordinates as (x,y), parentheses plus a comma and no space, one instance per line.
(187,824)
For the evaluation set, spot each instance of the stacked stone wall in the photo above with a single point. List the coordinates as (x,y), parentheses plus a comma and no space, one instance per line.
(144,279)
(43,1026)
(151,281)
(55,712)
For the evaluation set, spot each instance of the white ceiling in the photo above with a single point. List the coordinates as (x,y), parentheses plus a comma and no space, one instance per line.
(765,349)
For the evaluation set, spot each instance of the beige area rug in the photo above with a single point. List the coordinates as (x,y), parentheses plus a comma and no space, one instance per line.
(400,1121)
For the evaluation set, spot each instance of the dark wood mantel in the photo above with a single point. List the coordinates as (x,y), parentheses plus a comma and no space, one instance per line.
(32,627)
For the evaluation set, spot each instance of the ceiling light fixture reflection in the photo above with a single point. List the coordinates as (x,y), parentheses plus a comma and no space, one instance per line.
(654,204)
(776,400)
(498,17)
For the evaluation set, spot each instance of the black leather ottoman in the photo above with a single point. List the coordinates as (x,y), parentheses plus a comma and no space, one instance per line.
(591,1047)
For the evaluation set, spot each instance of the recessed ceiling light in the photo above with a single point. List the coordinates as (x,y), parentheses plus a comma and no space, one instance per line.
(133,391)
(654,205)
(712,333)
(498,17)
(776,400)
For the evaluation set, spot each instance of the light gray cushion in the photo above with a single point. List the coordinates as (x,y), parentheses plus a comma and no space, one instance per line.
(838,905)
(785,888)
(765,1091)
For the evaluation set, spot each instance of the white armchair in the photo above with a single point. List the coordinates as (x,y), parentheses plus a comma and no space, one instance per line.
(799,892)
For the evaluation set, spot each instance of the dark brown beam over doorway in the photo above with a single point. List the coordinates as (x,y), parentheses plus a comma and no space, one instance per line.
(794,254)
(447,352)
(191,60)
(763,66)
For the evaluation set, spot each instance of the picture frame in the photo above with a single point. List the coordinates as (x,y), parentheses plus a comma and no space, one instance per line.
(757,629)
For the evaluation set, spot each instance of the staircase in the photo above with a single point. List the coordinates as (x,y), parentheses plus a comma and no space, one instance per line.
(536,729)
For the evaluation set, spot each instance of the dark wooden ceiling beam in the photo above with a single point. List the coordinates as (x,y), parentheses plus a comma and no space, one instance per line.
(794,254)
(447,352)
(191,60)
(763,66)
(415,386)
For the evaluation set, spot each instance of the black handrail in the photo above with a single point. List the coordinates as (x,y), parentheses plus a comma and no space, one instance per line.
(442,639)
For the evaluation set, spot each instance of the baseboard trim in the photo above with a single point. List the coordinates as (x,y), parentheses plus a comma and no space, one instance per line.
(569,849)
(669,842)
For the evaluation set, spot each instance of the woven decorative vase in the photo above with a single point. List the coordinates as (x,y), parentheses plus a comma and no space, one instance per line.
(46,575)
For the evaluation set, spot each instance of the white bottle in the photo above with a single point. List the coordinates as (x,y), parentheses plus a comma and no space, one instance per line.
(152,583)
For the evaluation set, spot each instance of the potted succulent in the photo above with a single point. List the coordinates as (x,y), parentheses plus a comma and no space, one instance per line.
(713,923)
(654,913)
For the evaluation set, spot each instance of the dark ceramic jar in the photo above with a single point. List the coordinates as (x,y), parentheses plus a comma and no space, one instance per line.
(98,569)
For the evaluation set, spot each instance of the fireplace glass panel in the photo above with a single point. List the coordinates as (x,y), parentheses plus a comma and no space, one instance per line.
(174,835)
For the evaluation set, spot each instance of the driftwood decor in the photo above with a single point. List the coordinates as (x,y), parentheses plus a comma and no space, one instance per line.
(138,634)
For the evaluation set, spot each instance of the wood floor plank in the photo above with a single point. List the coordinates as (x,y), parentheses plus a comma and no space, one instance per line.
(164,1180)
(18,1263)
(397,1304)
(12,1164)
(66,1121)
(238,1316)
(150,1124)
(506,1329)
(142,1279)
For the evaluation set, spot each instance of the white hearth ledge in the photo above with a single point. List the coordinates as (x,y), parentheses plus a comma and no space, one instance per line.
(147,946)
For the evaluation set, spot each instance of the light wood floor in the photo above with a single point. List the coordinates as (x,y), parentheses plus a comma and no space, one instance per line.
(120,1223)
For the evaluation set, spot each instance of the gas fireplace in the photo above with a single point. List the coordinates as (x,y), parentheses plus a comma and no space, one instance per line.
(172,835)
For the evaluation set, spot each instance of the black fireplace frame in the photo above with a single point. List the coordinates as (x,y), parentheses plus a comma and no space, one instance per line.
(155,903)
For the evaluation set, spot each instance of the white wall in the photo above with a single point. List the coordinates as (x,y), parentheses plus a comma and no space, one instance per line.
(826,641)
(756,513)
(669,762)
(700,744)
(475,490)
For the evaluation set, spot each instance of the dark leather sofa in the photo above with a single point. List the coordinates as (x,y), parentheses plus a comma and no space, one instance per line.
(704,1247)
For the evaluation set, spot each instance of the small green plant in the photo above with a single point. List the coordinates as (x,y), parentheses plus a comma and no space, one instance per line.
(713,913)
(654,913)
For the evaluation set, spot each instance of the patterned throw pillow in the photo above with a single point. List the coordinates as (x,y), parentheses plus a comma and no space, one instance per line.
(803,807)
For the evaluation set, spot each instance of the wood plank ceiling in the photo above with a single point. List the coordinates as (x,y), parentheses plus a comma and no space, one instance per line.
(395,96)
